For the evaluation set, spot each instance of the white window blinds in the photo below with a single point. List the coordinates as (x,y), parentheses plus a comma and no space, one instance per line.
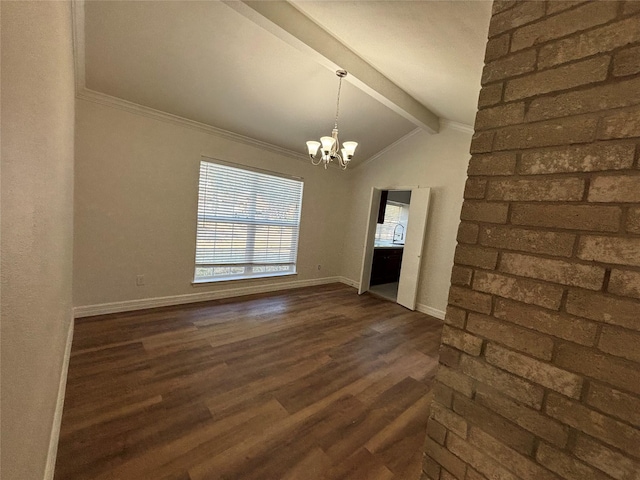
(248,223)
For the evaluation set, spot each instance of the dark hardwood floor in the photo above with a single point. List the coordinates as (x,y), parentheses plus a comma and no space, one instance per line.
(313,383)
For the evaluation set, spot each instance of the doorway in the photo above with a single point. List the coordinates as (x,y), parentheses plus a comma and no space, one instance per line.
(393,244)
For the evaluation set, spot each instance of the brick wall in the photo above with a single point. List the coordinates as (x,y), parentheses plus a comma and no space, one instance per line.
(540,356)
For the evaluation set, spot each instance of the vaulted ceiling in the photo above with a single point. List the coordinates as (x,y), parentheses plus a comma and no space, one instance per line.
(266,70)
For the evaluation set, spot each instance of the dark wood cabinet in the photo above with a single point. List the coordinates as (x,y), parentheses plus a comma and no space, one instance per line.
(386,265)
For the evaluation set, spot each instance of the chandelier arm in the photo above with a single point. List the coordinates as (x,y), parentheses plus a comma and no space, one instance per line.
(313,162)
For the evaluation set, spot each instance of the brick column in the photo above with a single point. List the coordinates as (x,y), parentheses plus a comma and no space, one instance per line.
(540,355)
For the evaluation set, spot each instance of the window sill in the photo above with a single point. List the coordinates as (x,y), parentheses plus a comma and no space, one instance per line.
(201,283)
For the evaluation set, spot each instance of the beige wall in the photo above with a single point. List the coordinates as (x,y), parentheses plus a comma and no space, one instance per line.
(437,161)
(37,222)
(136,197)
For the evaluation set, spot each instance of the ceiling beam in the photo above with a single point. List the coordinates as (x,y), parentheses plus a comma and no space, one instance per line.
(285,21)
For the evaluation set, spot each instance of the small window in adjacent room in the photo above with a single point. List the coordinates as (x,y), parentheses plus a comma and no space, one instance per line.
(248,224)
(395,214)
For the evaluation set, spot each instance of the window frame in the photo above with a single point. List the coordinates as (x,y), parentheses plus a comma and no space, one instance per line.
(251,224)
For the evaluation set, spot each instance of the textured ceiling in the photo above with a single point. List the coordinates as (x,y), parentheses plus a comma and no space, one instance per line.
(206,62)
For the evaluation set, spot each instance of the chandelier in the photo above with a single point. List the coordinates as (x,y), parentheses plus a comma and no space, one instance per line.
(331,145)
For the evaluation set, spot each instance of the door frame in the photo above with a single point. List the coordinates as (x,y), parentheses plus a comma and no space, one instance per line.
(370,234)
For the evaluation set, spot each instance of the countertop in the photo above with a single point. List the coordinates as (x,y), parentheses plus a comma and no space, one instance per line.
(388,245)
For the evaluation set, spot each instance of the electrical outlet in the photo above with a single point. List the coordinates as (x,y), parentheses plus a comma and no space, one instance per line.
(139,280)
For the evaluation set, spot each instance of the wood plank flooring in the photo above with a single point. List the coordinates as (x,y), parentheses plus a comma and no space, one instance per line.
(307,384)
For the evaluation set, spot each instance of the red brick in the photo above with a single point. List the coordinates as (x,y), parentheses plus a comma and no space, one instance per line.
(572,217)
(587,158)
(470,300)
(616,188)
(492,164)
(546,134)
(477,459)
(538,190)
(490,95)
(467,232)
(509,114)
(627,62)
(534,241)
(545,374)
(615,403)
(523,290)
(605,428)
(475,188)
(620,342)
(527,418)
(455,316)
(461,276)
(455,380)
(614,371)
(445,458)
(589,15)
(602,97)
(497,47)
(566,466)
(482,142)
(522,466)
(598,40)
(618,250)
(521,14)
(493,212)
(553,323)
(461,340)
(625,283)
(551,270)
(476,256)
(607,460)
(601,308)
(494,424)
(449,419)
(514,337)
(632,224)
(560,78)
(506,383)
(622,124)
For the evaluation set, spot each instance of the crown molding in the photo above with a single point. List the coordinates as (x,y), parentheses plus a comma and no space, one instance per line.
(131,107)
(461,127)
(386,149)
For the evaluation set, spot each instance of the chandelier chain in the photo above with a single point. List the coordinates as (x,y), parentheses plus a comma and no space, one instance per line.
(338,101)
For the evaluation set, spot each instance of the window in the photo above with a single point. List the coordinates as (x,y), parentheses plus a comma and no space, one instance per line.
(248,224)
(394,214)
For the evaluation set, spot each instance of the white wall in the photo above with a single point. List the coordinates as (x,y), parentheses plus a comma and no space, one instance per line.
(136,190)
(437,161)
(37,228)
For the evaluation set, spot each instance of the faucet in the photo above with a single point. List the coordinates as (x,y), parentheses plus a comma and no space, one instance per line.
(398,237)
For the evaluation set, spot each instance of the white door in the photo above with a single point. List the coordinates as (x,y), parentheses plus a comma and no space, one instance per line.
(367,258)
(413,243)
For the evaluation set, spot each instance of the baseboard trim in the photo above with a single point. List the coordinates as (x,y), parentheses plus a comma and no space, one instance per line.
(348,281)
(57,417)
(434,312)
(155,302)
